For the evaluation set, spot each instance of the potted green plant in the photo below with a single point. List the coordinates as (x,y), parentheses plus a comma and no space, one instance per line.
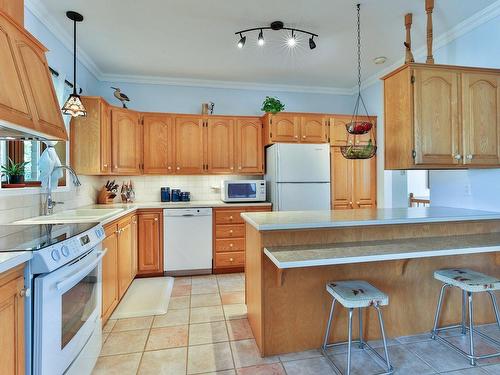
(272,105)
(14,172)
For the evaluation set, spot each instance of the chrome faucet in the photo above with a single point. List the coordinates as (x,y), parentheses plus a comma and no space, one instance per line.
(50,203)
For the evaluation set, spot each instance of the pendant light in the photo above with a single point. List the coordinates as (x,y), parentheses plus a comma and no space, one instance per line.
(360,125)
(74,105)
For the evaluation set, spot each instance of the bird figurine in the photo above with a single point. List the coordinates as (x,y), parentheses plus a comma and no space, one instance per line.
(121,96)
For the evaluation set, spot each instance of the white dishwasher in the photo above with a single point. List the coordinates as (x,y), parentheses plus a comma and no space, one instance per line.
(187,241)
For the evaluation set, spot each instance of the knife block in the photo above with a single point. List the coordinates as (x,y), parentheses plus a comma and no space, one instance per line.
(105,196)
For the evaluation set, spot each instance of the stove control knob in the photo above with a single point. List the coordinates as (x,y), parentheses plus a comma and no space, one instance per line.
(65,250)
(55,255)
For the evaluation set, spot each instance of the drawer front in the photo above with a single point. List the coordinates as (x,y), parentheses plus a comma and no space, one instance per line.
(230,231)
(232,259)
(229,245)
(228,217)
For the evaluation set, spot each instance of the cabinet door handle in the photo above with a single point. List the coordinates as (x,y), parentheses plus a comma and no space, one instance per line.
(231,231)
(105,165)
(25,292)
(304,136)
(239,168)
(178,168)
(230,245)
(230,218)
(469,157)
(357,203)
(169,168)
(156,219)
(231,259)
(296,136)
(458,156)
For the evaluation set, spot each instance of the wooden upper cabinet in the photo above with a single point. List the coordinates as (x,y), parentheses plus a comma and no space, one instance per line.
(341,180)
(249,151)
(439,116)
(159,154)
(314,129)
(189,150)
(437,130)
(90,138)
(364,183)
(220,145)
(124,141)
(481,118)
(284,128)
(150,243)
(27,97)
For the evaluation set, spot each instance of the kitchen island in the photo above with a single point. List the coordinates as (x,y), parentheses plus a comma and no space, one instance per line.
(292,255)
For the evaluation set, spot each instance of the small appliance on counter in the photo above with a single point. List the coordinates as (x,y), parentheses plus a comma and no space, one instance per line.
(165,194)
(243,191)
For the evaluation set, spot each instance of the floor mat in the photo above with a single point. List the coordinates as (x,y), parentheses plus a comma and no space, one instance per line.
(145,297)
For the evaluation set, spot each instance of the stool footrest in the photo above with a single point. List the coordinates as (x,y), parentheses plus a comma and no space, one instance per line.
(378,358)
(435,335)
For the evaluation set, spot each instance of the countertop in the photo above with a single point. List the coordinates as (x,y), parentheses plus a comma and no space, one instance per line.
(373,251)
(131,207)
(12,259)
(284,220)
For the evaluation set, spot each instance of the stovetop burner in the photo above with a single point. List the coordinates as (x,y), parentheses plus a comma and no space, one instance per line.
(36,237)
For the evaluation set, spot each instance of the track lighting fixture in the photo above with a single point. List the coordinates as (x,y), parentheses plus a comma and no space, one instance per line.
(242,41)
(260,40)
(312,43)
(276,26)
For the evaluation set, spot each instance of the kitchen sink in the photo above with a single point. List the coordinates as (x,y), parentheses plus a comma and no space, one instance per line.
(81,215)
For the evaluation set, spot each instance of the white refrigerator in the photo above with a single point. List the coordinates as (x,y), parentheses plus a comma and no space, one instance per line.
(298,176)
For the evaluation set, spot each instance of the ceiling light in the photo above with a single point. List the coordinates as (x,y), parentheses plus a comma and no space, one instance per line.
(380,60)
(242,41)
(277,26)
(260,40)
(292,41)
(312,44)
(74,105)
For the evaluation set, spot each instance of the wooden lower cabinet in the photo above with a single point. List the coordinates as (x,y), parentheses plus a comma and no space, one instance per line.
(150,242)
(12,340)
(229,238)
(354,182)
(110,296)
(119,265)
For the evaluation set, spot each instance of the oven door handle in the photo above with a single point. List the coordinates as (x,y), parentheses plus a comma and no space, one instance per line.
(61,285)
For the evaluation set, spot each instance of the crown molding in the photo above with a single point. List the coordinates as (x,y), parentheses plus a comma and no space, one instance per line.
(237,85)
(41,12)
(477,19)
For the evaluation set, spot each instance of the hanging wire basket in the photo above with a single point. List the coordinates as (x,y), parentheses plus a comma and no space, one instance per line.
(360,125)
(367,151)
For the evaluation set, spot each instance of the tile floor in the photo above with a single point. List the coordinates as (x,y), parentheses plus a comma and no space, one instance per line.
(205,331)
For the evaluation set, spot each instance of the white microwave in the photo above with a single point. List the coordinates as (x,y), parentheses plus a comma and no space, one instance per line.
(243,191)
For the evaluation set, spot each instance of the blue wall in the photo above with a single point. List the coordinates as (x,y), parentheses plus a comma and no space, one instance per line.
(59,57)
(184,99)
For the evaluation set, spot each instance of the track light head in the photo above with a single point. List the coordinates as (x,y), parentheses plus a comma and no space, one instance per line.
(242,41)
(260,40)
(312,43)
(292,41)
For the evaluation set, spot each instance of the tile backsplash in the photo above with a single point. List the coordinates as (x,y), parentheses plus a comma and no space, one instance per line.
(147,188)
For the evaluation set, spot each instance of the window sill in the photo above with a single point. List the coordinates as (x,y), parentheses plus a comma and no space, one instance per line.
(29,190)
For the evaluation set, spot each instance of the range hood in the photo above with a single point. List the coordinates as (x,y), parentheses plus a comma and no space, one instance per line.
(29,108)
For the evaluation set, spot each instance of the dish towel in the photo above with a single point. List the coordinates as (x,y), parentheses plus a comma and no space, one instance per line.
(46,164)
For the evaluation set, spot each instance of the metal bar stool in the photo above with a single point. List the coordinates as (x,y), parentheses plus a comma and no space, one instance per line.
(357,295)
(469,282)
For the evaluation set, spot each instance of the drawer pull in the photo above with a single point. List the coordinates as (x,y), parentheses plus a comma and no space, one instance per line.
(230,218)
(231,259)
(230,245)
(231,231)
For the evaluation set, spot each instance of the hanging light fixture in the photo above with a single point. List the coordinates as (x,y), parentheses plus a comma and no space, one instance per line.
(74,105)
(359,125)
(276,26)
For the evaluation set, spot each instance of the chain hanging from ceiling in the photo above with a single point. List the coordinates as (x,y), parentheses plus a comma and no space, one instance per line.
(360,143)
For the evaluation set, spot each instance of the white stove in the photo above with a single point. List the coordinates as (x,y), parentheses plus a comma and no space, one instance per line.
(63,317)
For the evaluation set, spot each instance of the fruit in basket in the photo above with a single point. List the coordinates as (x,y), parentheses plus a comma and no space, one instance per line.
(360,127)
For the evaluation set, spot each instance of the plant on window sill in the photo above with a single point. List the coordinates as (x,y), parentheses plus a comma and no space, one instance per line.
(14,173)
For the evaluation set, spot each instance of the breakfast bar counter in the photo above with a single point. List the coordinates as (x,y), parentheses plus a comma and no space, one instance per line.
(292,255)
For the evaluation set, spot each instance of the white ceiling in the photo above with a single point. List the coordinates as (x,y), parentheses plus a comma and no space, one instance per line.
(193,39)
